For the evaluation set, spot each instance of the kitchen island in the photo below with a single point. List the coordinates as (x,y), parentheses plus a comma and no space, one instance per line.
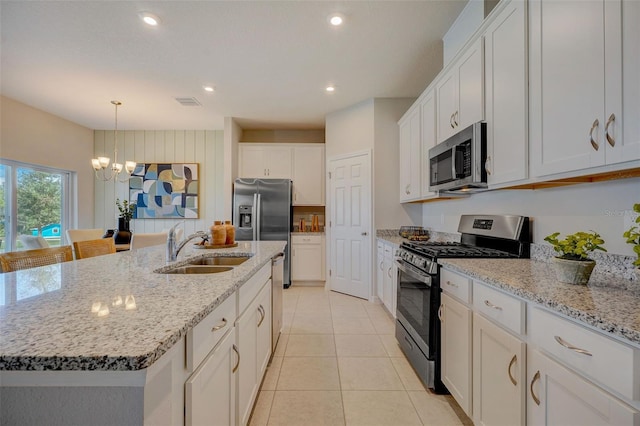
(110,329)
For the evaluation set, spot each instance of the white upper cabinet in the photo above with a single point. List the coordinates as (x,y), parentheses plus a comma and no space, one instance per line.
(428,127)
(308,175)
(506,95)
(266,161)
(410,149)
(577,74)
(459,93)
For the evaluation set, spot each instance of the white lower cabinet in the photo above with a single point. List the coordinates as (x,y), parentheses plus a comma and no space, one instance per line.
(387,275)
(210,392)
(307,257)
(558,396)
(456,350)
(499,375)
(253,329)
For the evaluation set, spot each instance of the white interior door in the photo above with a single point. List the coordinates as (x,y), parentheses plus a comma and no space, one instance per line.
(350,224)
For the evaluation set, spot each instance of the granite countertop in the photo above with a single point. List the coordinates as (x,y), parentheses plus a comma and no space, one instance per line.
(608,303)
(112,312)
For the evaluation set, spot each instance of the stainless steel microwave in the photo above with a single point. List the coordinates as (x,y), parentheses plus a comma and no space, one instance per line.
(457,164)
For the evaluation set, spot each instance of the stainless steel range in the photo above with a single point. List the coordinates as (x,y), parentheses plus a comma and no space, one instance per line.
(418,326)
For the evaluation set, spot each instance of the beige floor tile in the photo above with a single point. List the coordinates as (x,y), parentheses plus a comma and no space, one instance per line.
(311,345)
(273,372)
(282,345)
(262,409)
(287,321)
(375,308)
(309,373)
(348,310)
(407,375)
(384,325)
(435,409)
(360,373)
(348,325)
(312,323)
(313,306)
(360,345)
(307,408)
(391,345)
(383,408)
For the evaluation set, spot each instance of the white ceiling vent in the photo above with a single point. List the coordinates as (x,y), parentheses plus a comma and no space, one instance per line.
(188,101)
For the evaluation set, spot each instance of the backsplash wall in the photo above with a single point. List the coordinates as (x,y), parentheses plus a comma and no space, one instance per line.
(605,207)
(205,147)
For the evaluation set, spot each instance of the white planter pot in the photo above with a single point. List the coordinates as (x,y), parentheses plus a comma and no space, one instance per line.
(573,271)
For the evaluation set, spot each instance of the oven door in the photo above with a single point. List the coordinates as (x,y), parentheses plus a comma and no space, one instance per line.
(418,301)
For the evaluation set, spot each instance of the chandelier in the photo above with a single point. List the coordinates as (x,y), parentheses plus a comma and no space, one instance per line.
(101,164)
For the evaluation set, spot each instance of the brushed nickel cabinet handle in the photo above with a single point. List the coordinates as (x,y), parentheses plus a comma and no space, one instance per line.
(536,377)
(235,349)
(611,140)
(455,118)
(568,345)
(513,361)
(486,165)
(407,189)
(452,284)
(389,272)
(381,263)
(440,313)
(451,121)
(492,306)
(262,313)
(221,325)
(594,126)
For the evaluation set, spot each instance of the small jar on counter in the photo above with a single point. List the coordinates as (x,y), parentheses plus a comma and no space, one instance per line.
(218,233)
(231,232)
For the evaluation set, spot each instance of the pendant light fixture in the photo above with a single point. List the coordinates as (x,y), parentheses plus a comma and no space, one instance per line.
(101,164)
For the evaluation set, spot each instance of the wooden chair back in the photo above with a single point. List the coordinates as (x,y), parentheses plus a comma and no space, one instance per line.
(74,235)
(92,248)
(17,260)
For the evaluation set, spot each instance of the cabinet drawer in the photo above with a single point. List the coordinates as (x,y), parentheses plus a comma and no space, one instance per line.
(504,309)
(389,250)
(249,290)
(592,354)
(306,239)
(456,285)
(208,332)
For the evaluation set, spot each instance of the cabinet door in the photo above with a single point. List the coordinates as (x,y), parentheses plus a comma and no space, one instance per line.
(499,375)
(569,53)
(390,284)
(446,95)
(506,95)
(248,383)
(456,351)
(627,147)
(308,176)
(252,162)
(410,154)
(559,397)
(306,262)
(263,338)
(380,271)
(279,162)
(470,102)
(210,392)
(428,130)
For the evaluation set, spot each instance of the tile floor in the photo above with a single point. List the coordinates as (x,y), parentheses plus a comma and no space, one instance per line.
(338,363)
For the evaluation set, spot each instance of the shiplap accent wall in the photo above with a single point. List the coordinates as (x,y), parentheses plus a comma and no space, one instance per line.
(205,147)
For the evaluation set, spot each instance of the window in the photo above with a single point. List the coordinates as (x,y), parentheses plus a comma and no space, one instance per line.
(34,201)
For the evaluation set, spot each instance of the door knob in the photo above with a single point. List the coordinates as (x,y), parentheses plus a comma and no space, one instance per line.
(364,233)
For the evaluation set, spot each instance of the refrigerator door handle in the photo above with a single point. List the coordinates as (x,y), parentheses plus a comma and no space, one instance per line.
(254,219)
(258,217)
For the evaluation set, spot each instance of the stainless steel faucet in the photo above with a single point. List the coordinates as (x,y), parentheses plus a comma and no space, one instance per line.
(174,248)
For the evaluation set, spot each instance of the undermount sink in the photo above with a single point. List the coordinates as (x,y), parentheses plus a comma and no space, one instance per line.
(220,260)
(199,269)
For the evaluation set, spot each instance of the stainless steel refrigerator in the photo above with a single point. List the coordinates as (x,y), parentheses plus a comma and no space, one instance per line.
(262,210)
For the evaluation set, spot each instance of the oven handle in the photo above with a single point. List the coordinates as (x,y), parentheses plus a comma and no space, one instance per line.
(414,272)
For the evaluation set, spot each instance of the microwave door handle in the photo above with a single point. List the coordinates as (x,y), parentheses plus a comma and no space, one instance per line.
(454,172)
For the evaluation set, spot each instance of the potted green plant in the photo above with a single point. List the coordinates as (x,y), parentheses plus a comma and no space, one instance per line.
(573,266)
(123,233)
(633,237)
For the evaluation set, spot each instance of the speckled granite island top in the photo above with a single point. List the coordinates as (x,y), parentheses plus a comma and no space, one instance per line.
(112,312)
(606,303)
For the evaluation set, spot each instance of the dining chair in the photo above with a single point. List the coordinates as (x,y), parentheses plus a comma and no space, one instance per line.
(18,260)
(74,235)
(33,242)
(148,239)
(92,248)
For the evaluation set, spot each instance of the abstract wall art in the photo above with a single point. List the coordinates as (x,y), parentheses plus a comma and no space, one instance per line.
(165,190)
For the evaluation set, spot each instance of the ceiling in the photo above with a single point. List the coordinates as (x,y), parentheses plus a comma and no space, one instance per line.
(269,61)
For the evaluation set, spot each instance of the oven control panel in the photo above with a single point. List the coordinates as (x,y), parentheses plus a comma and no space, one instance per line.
(482,223)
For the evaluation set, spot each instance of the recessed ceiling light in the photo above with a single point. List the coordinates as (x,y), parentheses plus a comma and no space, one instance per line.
(150,19)
(330,89)
(209,88)
(336,19)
